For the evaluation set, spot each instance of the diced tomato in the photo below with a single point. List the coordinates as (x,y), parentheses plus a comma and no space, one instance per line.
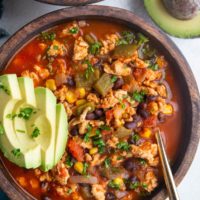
(106,132)
(151,121)
(76,150)
(109,116)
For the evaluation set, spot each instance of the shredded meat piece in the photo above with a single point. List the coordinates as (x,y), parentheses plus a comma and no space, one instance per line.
(80,49)
(68,109)
(93,98)
(61,93)
(112,142)
(42,72)
(57,49)
(97,160)
(151,181)
(109,43)
(146,151)
(66,31)
(117,68)
(61,173)
(98,191)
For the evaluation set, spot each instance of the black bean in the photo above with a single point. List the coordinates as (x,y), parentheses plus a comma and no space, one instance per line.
(44,186)
(132,180)
(91,116)
(143,113)
(70,81)
(99,112)
(142,106)
(118,84)
(130,125)
(151,98)
(130,164)
(46,198)
(110,196)
(74,131)
(161,117)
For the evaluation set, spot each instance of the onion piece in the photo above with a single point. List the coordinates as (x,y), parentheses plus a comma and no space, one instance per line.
(60,79)
(169,92)
(120,194)
(83,179)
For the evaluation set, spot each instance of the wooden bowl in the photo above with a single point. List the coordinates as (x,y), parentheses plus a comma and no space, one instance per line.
(184,79)
(69,2)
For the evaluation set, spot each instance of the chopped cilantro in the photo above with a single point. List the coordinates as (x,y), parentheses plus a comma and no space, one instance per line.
(154,67)
(135,138)
(142,39)
(35,133)
(105,127)
(139,96)
(74,30)
(122,104)
(113,185)
(95,48)
(98,132)
(123,146)
(48,36)
(55,47)
(20,131)
(142,161)
(113,79)
(144,185)
(89,69)
(107,162)
(100,144)
(69,191)
(4,88)
(87,134)
(85,167)
(25,113)
(16,152)
(134,185)
(2,131)
(127,38)
(69,161)
(86,137)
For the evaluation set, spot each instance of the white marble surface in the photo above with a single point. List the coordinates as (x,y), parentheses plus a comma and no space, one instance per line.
(19,12)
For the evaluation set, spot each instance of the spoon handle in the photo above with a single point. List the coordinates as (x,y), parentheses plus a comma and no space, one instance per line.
(169,180)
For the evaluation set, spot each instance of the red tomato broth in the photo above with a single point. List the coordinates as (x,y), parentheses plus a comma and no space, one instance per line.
(26,58)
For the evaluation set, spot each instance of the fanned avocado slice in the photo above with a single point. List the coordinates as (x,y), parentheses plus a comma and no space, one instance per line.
(179,28)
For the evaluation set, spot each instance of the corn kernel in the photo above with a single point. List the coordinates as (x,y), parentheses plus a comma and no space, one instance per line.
(78,166)
(146,133)
(81,92)
(153,107)
(50,83)
(118,181)
(167,109)
(80,102)
(70,97)
(93,151)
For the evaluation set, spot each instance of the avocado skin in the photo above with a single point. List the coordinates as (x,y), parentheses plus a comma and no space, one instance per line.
(171,25)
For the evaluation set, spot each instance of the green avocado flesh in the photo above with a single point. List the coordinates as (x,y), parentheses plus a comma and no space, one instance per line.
(179,28)
(33,127)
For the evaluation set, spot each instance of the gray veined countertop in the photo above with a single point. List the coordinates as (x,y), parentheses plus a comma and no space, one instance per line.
(19,12)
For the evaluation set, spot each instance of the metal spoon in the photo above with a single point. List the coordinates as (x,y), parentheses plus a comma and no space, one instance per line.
(169,180)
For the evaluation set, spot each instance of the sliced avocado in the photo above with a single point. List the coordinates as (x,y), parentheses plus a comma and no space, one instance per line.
(27,90)
(46,123)
(61,132)
(33,127)
(9,143)
(179,28)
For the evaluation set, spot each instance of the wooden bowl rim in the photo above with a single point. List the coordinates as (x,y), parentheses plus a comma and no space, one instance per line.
(69,2)
(46,21)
